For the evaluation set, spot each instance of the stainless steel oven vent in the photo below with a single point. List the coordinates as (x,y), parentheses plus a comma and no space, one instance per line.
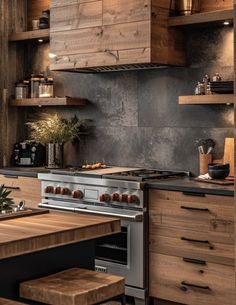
(118,68)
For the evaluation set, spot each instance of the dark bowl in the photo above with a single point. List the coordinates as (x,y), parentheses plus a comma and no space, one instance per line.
(218,166)
(218,171)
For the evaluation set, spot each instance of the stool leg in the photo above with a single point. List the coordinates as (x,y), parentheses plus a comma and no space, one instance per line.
(123,300)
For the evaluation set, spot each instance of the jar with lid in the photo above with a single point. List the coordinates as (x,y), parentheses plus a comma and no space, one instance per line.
(199,90)
(46,88)
(21,90)
(35,80)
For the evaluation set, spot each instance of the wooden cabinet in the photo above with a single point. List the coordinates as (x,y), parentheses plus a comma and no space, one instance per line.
(93,35)
(191,247)
(23,188)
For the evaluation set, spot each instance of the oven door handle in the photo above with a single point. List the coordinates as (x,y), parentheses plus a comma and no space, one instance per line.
(136,217)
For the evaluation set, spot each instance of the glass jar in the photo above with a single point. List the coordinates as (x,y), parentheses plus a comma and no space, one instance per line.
(21,90)
(35,80)
(46,88)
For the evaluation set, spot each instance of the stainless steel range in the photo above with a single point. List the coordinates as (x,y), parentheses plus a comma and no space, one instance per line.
(117,192)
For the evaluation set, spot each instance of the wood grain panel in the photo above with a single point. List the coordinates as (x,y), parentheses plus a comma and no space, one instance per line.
(34,233)
(123,11)
(106,58)
(76,16)
(169,241)
(168,44)
(60,3)
(167,273)
(213,5)
(23,188)
(73,286)
(100,39)
(204,214)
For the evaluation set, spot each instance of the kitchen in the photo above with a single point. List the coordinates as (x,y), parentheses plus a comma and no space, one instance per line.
(137,119)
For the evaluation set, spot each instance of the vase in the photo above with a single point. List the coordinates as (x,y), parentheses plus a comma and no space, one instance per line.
(54,153)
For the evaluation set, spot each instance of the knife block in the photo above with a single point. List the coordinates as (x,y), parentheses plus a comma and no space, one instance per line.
(204,160)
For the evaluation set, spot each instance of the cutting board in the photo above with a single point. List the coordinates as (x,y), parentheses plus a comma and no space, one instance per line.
(216,181)
(108,170)
(23,213)
(229,154)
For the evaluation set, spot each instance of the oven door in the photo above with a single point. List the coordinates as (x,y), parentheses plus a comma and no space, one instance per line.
(123,253)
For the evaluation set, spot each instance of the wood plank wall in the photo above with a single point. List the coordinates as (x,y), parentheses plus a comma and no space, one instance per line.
(213,5)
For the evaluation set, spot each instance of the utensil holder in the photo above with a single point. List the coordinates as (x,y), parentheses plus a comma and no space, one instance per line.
(204,160)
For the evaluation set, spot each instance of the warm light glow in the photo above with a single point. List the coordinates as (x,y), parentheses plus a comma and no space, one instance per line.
(40,40)
(226,23)
(52,55)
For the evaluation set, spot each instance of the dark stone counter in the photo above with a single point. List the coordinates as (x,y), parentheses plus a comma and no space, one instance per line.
(191,185)
(23,171)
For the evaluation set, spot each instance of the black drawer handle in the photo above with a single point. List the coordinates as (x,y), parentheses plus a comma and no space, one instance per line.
(195,209)
(195,286)
(194,261)
(194,194)
(198,241)
(12,187)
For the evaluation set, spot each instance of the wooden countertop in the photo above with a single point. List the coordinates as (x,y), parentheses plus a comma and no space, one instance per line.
(33,233)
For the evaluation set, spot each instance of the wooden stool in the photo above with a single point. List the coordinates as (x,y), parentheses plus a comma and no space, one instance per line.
(74,287)
(9,302)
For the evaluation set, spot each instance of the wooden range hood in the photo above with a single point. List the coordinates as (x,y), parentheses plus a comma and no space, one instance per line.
(111,35)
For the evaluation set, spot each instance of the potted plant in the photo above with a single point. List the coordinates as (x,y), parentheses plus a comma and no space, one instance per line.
(5,201)
(53,131)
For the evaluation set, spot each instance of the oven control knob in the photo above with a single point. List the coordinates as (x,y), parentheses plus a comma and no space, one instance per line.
(78,194)
(65,191)
(115,197)
(124,198)
(105,197)
(57,190)
(133,199)
(49,189)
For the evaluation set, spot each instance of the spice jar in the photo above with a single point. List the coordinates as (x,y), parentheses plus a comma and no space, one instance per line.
(35,80)
(21,90)
(46,88)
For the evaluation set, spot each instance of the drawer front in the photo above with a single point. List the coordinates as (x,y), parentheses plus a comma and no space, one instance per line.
(206,213)
(210,247)
(23,188)
(191,282)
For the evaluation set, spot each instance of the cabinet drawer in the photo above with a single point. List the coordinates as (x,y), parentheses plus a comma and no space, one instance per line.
(211,247)
(23,188)
(191,282)
(207,213)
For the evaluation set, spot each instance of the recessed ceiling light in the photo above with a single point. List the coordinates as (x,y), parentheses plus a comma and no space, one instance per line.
(40,40)
(226,23)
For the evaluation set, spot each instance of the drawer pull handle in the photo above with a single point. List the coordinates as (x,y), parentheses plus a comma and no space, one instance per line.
(198,241)
(194,194)
(195,286)
(194,261)
(195,209)
(12,187)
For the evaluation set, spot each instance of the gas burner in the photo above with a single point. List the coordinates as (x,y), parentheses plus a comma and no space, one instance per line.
(144,175)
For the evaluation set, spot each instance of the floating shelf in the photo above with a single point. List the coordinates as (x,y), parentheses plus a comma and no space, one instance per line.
(206,99)
(30,35)
(56,101)
(216,17)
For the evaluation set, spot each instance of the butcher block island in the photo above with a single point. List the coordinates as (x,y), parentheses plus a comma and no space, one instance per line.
(40,245)
(33,233)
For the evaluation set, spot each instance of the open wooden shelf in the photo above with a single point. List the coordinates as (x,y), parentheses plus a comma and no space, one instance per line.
(30,35)
(56,101)
(206,99)
(214,17)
